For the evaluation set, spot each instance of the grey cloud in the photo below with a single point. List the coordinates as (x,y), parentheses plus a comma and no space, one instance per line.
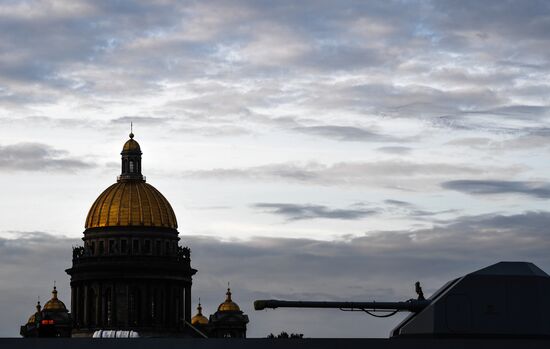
(220,130)
(43,121)
(525,111)
(398,150)
(31,262)
(345,133)
(409,210)
(435,106)
(494,18)
(346,173)
(38,157)
(380,265)
(465,77)
(144,120)
(473,142)
(294,212)
(398,203)
(539,190)
(96,50)
(524,138)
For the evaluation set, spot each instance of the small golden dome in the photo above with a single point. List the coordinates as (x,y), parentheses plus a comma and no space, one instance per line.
(131,203)
(131,145)
(55,304)
(32,318)
(228,305)
(199,319)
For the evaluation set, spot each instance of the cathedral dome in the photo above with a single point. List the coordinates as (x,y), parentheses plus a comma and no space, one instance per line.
(54,304)
(199,319)
(131,201)
(228,305)
(32,319)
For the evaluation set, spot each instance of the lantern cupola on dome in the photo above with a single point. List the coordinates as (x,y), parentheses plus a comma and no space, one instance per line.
(131,161)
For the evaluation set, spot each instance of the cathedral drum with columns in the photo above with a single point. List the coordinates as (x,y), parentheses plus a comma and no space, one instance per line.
(131,273)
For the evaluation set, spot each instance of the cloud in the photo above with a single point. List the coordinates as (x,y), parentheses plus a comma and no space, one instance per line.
(144,120)
(398,150)
(409,210)
(520,139)
(369,61)
(398,203)
(38,157)
(31,261)
(522,111)
(349,173)
(294,212)
(344,133)
(540,190)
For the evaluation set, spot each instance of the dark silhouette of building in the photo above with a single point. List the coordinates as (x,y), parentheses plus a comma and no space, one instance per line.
(227,322)
(53,320)
(131,274)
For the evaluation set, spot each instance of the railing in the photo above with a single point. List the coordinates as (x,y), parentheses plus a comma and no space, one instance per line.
(84,254)
(140,177)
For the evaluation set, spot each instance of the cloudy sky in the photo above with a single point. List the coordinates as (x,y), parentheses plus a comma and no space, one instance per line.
(311,150)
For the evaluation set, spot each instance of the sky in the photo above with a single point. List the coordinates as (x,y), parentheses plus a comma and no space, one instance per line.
(324,150)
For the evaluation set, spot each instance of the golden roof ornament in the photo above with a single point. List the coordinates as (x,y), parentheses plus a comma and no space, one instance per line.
(199,319)
(54,304)
(228,304)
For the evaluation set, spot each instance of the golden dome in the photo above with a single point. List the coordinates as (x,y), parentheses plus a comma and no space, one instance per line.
(228,305)
(131,145)
(54,304)
(131,203)
(32,319)
(199,319)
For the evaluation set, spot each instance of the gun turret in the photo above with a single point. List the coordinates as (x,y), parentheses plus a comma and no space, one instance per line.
(412,305)
(507,299)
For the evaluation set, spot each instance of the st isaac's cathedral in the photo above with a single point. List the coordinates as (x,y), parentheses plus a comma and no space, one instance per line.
(131,274)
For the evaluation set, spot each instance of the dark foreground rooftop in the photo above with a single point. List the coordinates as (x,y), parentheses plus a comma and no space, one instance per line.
(318,343)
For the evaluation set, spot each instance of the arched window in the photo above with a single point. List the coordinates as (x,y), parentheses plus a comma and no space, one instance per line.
(131,166)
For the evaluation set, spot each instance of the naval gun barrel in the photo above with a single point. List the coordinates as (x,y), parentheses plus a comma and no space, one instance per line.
(412,305)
